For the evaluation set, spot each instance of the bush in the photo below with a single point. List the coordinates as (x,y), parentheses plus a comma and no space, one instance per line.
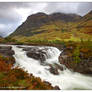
(76,55)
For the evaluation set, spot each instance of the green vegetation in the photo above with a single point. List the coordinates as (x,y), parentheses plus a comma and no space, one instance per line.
(80,50)
(63,30)
(76,55)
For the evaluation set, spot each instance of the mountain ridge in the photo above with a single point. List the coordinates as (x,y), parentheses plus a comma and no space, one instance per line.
(39,19)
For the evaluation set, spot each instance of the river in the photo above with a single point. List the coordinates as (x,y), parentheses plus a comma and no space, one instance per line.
(65,80)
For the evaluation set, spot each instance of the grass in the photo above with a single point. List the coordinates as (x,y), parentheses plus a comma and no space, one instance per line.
(52,36)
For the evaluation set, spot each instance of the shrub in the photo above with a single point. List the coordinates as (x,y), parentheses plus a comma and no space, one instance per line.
(76,55)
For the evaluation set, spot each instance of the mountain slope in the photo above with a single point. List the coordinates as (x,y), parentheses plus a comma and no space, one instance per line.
(35,21)
(85,24)
(56,26)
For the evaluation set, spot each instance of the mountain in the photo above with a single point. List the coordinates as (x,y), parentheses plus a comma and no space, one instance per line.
(64,17)
(56,26)
(35,21)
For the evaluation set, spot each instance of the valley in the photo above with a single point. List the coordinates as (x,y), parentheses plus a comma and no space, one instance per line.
(43,52)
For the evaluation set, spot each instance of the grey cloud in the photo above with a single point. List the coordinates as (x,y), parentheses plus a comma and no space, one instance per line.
(5,5)
(7,29)
(11,18)
(8,13)
(80,8)
(84,8)
(62,7)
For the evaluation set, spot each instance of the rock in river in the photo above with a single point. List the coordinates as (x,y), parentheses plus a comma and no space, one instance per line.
(37,55)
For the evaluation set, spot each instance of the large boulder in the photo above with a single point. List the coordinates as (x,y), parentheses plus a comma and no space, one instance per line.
(35,53)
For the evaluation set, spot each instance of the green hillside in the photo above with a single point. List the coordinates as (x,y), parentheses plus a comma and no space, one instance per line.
(56,26)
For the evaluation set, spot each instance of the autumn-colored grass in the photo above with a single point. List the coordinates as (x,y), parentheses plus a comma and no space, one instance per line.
(17,79)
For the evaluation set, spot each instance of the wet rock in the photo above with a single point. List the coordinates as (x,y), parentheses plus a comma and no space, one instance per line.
(54,70)
(47,83)
(87,71)
(28,49)
(20,47)
(57,66)
(36,55)
(56,88)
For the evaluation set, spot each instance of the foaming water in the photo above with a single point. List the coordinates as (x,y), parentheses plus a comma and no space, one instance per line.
(66,78)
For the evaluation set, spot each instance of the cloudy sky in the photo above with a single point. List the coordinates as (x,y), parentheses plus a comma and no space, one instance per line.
(13,14)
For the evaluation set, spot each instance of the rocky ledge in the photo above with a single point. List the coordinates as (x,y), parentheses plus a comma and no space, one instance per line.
(6,53)
(83,64)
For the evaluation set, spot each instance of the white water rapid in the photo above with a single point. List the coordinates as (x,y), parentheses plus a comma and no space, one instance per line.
(65,80)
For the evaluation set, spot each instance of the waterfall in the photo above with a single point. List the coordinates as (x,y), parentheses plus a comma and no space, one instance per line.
(66,78)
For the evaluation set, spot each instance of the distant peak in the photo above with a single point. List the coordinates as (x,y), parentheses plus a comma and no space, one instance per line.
(38,14)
